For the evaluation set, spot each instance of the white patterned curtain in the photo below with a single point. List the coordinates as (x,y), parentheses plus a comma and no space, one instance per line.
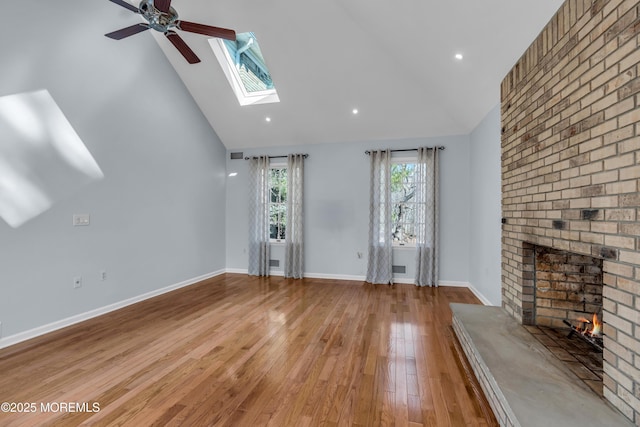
(259,192)
(293,240)
(380,251)
(427,230)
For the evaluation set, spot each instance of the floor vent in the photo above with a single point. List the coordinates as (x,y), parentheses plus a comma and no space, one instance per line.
(399,269)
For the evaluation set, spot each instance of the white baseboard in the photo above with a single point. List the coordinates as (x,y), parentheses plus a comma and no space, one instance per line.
(237,270)
(454,284)
(451,283)
(479,295)
(63,323)
(335,277)
(245,271)
(307,275)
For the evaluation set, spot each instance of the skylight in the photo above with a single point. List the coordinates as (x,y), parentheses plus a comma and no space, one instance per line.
(245,69)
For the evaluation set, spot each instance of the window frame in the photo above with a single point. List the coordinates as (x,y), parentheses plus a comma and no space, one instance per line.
(403,159)
(233,77)
(278,165)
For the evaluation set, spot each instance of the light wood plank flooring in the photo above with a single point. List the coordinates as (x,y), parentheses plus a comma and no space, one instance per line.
(244,351)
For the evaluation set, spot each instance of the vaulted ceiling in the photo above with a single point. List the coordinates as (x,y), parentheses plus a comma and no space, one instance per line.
(393,61)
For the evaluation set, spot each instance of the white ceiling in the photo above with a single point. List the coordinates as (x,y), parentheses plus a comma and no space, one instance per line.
(394,61)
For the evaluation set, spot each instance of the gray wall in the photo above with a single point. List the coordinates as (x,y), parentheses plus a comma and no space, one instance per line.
(157,218)
(336,204)
(485,237)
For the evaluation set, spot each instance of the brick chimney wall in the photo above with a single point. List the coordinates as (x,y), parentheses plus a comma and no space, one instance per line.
(571,170)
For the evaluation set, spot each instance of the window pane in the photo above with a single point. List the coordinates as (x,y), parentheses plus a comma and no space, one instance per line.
(282,224)
(277,220)
(278,183)
(403,210)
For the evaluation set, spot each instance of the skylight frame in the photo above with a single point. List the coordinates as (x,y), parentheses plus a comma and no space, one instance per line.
(233,77)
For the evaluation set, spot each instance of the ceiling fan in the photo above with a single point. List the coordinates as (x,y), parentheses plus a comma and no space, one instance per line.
(162,17)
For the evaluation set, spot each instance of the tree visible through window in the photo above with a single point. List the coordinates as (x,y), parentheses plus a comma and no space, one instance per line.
(403,203)
(278,202)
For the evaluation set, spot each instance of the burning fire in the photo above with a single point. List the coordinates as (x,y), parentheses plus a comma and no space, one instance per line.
(596,330)
(591,328)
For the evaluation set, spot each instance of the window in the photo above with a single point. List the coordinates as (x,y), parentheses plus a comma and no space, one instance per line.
(244,66)
(277,202)
(403,202)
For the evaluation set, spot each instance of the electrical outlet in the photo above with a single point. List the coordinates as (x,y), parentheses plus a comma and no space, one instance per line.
(77,282)
(0,329)
(103,275)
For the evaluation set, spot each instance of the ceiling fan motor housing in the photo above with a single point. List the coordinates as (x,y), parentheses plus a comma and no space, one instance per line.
(158,20)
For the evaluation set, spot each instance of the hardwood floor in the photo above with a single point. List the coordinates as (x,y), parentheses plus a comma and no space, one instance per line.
(244,351)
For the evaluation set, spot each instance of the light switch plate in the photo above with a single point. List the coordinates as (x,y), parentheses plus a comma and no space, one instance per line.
(81,219)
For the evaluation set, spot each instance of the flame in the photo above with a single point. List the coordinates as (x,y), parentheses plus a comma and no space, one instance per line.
(591,328)
(596,330)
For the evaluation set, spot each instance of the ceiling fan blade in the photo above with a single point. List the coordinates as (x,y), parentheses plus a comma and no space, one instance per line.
(162,5)
(207,30)
(129,31)
(180,44)
(126,5)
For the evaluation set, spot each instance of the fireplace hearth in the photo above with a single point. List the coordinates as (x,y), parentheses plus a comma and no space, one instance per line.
(528,376)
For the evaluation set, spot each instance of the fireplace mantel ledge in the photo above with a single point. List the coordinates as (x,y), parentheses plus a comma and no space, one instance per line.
(524,383)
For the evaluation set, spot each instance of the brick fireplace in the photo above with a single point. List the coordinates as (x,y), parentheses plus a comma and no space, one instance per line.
(571,175)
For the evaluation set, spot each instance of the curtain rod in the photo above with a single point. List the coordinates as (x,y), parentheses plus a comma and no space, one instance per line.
(408,149)
(274,157)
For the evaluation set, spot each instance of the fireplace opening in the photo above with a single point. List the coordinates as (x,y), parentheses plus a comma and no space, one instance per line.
(568,286)
(566,310)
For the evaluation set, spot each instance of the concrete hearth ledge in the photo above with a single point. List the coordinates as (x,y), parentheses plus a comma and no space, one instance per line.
(524,383)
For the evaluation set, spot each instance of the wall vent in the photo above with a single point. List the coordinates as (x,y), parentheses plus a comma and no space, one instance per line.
(236,155)
(399,269)
(274,263)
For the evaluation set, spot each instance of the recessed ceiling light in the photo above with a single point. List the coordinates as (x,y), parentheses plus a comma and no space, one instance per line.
(354,111)
(459,56)
(267,119)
